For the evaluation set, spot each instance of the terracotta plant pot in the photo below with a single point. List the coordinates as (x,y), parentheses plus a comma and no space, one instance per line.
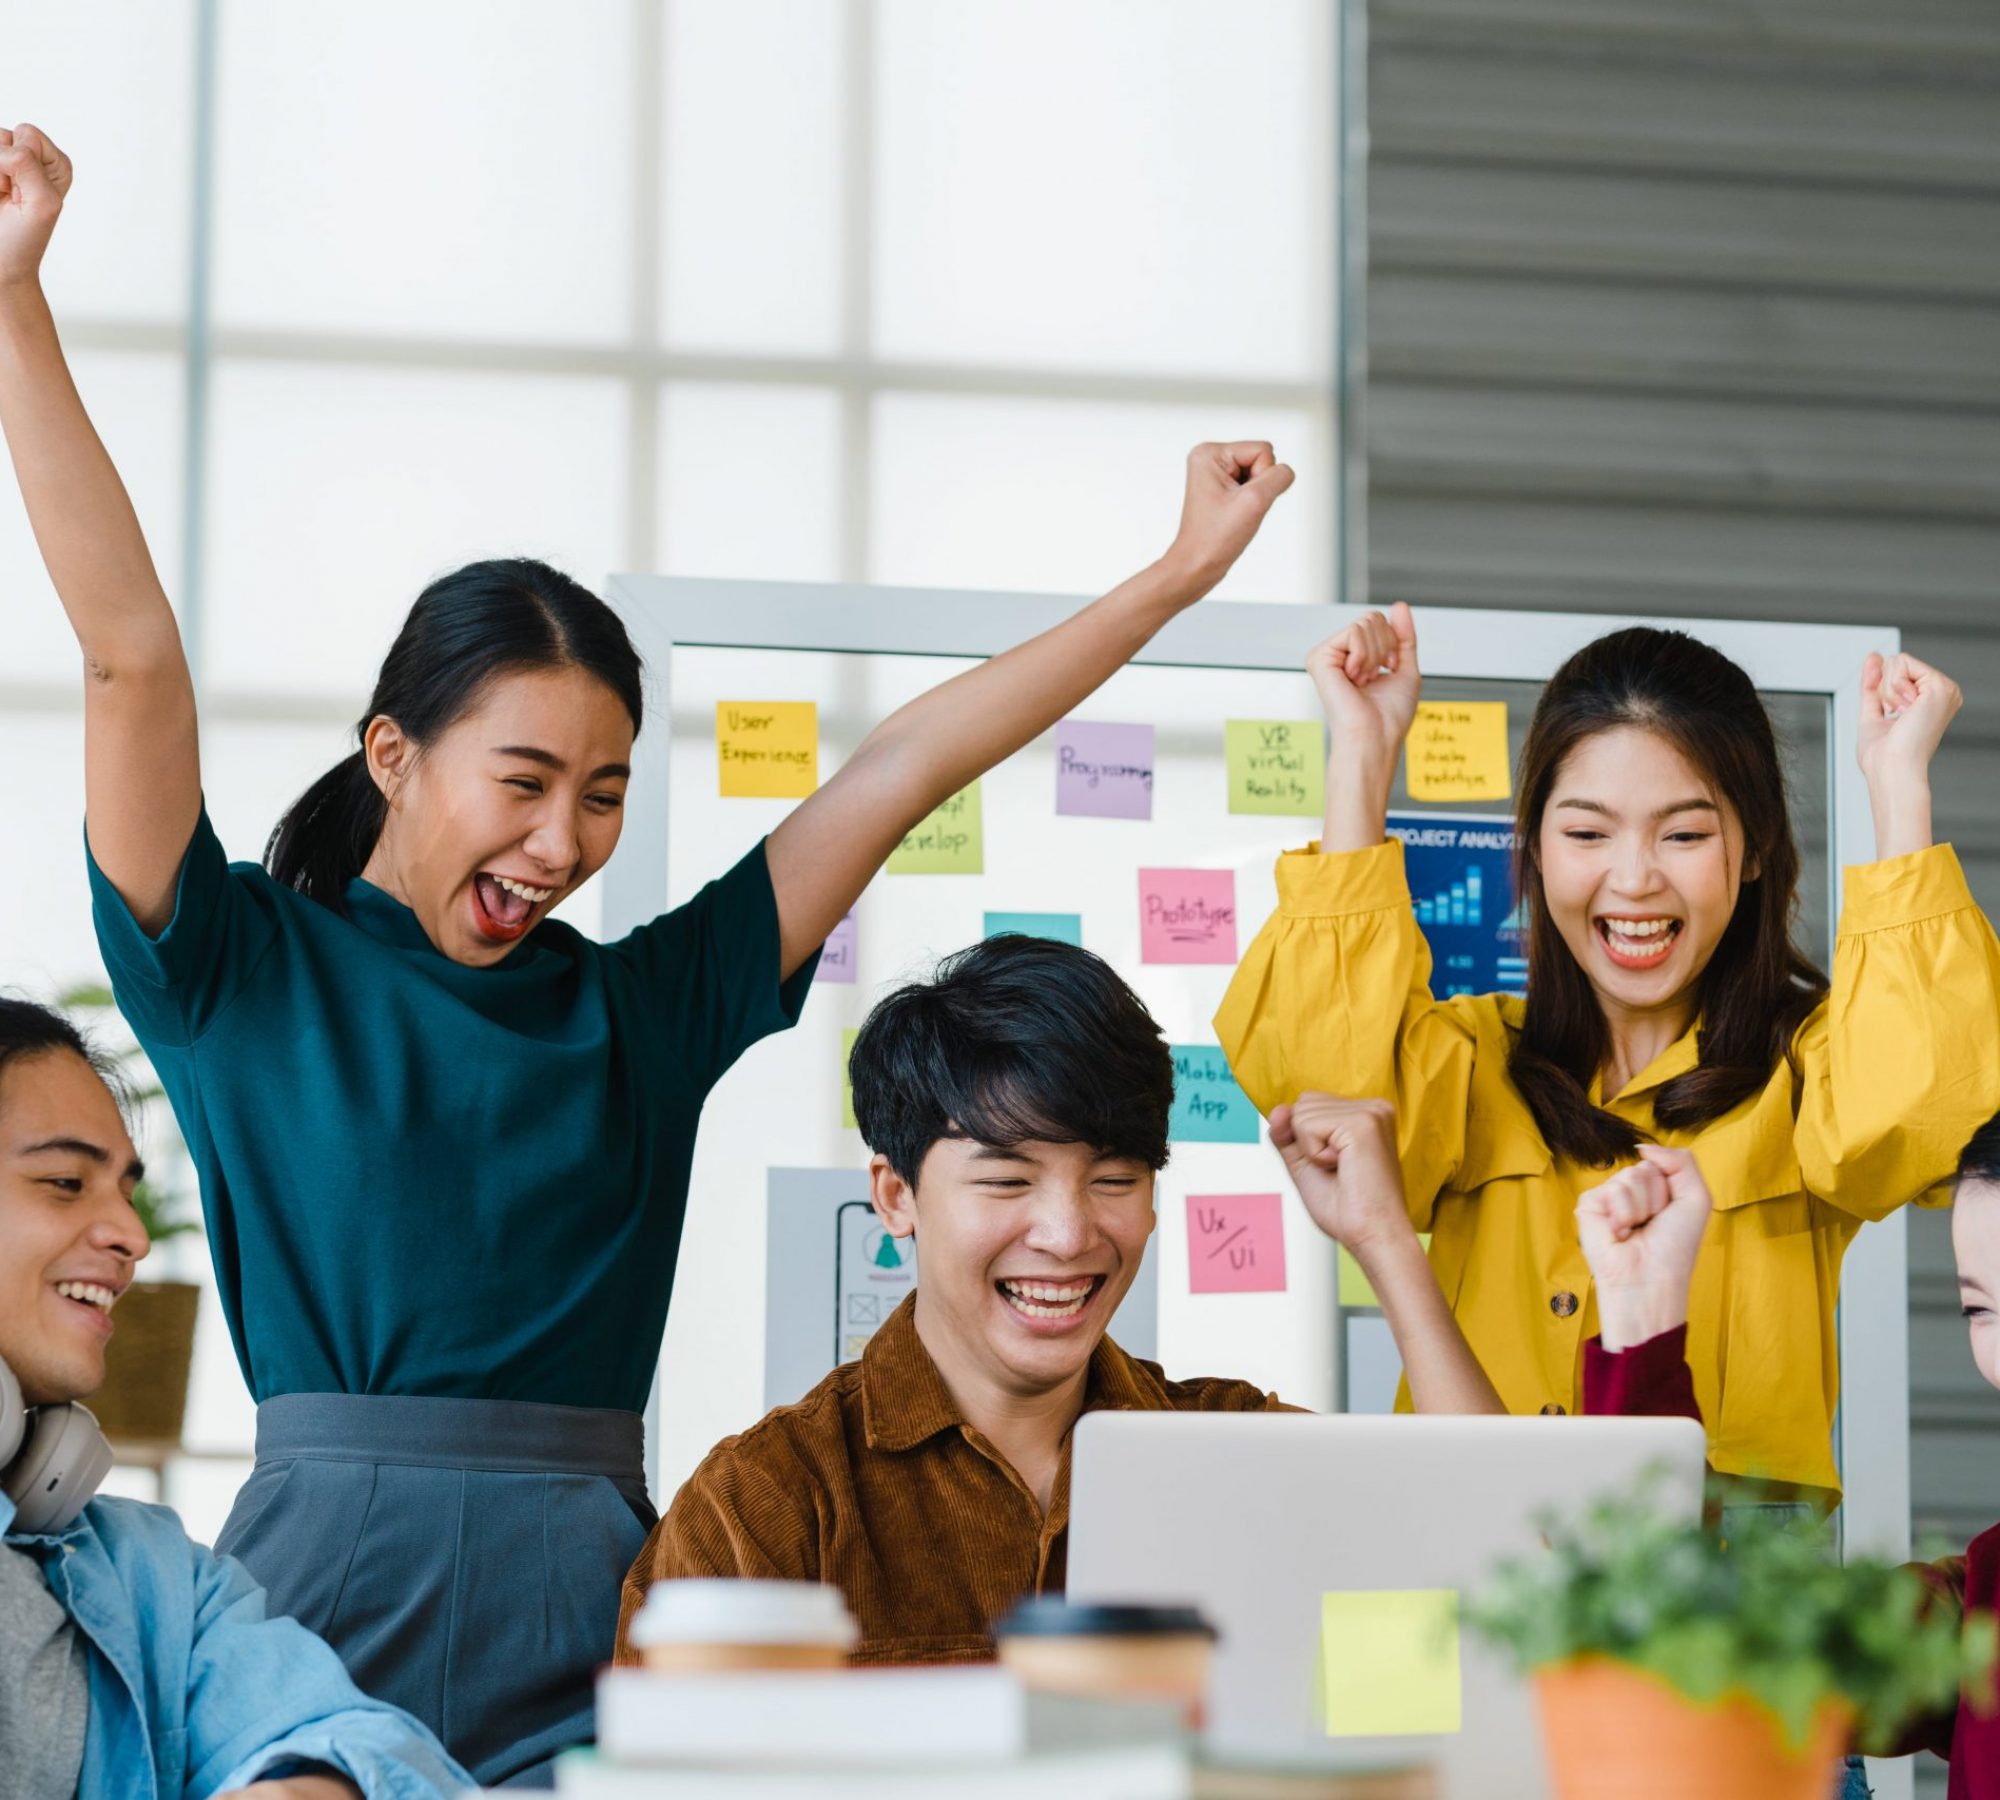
(144,1396)
(1618,1733)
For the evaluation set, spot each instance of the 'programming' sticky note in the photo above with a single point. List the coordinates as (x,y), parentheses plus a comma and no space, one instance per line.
(1389,1662)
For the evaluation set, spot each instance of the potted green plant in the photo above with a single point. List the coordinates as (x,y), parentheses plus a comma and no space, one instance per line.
(1671,1660)
(143,1402)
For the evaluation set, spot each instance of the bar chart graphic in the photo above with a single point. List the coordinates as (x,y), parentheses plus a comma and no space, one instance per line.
(1461,874)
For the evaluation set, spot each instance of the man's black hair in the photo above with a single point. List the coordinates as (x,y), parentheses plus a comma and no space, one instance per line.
(1980,1159)
(1014,1039)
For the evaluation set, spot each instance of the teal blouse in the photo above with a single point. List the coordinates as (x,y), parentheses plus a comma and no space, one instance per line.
(424,1178)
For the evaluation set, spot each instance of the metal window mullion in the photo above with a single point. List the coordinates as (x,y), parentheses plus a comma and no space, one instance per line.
(857,237)
(197,342)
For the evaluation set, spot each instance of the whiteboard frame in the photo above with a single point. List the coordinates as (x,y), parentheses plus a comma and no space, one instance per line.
(1824,661)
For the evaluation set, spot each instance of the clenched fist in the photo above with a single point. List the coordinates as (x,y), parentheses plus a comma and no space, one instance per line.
(1230,487)
(34,178)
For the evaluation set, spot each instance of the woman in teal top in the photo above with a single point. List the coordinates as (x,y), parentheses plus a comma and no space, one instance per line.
(444,1142)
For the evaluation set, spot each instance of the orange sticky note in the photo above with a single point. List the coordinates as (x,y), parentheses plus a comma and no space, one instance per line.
(1457,750)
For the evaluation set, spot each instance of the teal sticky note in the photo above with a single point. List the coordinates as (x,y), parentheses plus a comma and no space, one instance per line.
(1066,928)
(1209,1108)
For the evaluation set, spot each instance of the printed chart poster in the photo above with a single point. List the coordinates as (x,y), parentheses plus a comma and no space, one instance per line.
(1461,869)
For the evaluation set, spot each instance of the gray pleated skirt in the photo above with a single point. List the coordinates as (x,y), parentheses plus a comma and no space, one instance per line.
(463,1556)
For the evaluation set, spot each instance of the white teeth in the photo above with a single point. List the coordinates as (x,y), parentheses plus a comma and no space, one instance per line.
(1048,1300)
(88,1292)
(534,895)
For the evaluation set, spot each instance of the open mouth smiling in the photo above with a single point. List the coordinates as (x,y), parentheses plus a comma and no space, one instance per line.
(1049,1300)
(1638,943)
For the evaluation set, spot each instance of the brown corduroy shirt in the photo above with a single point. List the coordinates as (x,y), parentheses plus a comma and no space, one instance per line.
(875,1482)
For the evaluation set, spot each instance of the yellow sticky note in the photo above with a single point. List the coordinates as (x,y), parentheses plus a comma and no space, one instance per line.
(1355,1287)
(949,840)
(847,1087)
(1457,750)
(1276,765)
(1389,1663)
(767,749)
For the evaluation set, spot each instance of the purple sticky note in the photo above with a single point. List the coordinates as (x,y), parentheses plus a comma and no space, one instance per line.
(1104,771)
(836,961)
(1236,1244)
(1187,915)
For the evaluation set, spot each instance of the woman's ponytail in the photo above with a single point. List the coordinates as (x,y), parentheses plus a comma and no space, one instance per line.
(328,834)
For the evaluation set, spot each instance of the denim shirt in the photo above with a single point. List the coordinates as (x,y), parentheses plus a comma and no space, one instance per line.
(194,1690)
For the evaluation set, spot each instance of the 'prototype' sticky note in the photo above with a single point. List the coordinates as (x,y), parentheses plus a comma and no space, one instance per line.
(1066,928)
(1389,1660)
(1209,1108)
(847,1087)
(1457,750)
(1355,1287)
(1104,771)
(1187,915)
(1276,765)
(1236,1244)
(767,749)
(836,959)
(949,840)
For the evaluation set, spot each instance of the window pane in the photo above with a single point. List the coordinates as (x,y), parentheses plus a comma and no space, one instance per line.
(462,167)
(46,941)
(1071,497)
(136,403)
(125,118)
(749,481)
(1118,184)
(336,493)
(751,123)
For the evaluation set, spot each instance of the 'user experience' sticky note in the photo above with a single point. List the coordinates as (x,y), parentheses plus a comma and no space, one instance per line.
(1389,1662)
(1104,771)
(1276,765)
(949,840)
(846,1086)
(1187,915)
(1066,928)
(767,749)
(1236,1244)
(1355,1287)
(836,957)
(1457,750)
(1209,1108)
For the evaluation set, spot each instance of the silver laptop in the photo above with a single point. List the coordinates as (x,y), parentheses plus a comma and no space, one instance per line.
(1328,1550)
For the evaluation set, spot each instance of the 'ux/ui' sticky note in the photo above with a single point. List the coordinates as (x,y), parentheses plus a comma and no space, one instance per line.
(1276,765)
(1209,1108)
(1066,928)
(949,840)
(836,959)
(1457,750)
(1355,1287)
(767,749)
(847,1087)
(1187,915)
(1390,1663)
(1236,1244)
(1104,771)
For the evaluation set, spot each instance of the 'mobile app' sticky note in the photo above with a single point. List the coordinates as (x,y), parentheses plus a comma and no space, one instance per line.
(767,749)
(1187,915)
(836,959)
(1389,1661)
(1457,750)
(1276,765)
(1104,771)
(1236,1244)
(949,840)
(1209,1108)
(1066,928)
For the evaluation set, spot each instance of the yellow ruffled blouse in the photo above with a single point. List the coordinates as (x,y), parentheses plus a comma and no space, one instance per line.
(1890,1075)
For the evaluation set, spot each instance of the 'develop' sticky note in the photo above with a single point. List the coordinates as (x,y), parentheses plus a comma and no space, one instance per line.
(1065,928)
(1276,766)
(1209,1107)
(1389,1662)
(1457,750)
(949,840)
(767,749)
(1236,1244)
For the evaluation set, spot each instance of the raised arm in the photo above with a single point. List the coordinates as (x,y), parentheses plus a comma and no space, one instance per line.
(142,768)
(1368,682)
(830,847)
(1905,707)
(1342,1158)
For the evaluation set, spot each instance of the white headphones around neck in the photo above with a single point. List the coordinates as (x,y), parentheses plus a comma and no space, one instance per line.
(52,1459)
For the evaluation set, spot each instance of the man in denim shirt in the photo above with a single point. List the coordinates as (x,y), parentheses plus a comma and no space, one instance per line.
(155,1673)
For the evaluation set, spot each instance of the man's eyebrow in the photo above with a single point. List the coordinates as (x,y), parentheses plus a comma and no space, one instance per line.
(68,1146)
(999,1153)
(550,760)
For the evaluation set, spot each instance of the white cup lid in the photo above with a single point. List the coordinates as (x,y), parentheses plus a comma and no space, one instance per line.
(744,1612)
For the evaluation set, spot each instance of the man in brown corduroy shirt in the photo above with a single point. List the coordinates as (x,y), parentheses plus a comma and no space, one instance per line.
(1017,1105)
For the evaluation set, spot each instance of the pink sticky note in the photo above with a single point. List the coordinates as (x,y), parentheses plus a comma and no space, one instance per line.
(1187,915)
(1236,1244)
(836,961)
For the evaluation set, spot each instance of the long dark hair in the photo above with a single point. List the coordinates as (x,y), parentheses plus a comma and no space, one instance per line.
(1758,986)
(481,621)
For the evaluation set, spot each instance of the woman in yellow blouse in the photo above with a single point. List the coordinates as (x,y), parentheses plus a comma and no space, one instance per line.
(1666,1003)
